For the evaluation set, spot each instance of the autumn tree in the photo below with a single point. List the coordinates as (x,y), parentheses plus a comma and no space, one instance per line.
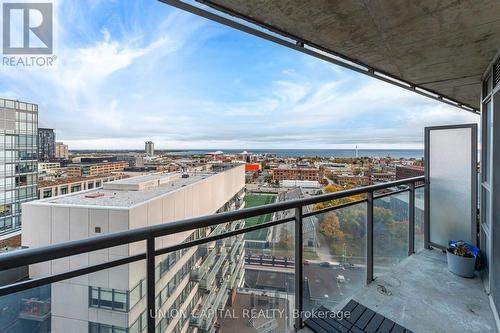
(330,227)
(286,240)
(331,188)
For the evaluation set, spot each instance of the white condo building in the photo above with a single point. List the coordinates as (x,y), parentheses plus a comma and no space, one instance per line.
(193,281)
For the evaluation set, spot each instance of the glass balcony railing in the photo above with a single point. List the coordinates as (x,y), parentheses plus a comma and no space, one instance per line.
(199,272)
(335,261)
(209,278)
(342,245)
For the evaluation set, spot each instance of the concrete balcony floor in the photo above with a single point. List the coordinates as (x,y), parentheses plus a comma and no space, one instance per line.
(422,295)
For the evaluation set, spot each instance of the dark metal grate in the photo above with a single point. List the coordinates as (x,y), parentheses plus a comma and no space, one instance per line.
(361,320)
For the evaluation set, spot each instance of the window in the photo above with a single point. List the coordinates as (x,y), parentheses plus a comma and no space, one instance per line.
(5,210)
(22,180)
(106,298)
(120,300)
(135,295)
(104,328)
(47,193)
(94,297)
(76,188)
(64,190)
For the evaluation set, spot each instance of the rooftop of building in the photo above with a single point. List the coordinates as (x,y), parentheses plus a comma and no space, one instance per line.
(126,193)
(412,167)
(68,180)
(95,163)
(295,167)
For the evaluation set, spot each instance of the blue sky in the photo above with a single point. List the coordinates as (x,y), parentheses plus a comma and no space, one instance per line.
(131,71)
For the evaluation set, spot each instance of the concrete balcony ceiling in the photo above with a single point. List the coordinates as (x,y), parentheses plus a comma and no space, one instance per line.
(444,46)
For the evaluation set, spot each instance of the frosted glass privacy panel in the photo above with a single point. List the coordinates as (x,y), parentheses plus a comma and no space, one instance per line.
(451,195)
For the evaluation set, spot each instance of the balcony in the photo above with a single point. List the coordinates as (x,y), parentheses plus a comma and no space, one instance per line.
(420,287)
(200,313)
(203,317)
(35,309)
(378,269)
(207,281)
(199,272)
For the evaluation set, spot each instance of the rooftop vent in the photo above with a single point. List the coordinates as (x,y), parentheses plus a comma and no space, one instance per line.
(94,195)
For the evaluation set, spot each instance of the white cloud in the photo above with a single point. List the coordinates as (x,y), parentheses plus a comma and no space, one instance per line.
(123,83)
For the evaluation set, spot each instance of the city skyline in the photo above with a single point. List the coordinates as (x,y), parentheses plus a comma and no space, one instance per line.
(120,80)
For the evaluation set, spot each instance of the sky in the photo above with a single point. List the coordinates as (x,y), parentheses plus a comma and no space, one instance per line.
(130,71)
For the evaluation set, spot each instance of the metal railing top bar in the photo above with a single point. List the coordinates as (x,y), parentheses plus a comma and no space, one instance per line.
(38,282)
(74,247)
(328,209)
(388,194)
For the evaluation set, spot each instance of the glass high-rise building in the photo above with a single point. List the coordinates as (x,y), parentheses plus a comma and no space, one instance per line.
(18,161)
(46,144)
(149,148)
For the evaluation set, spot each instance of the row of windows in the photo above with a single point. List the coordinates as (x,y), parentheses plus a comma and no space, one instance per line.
(174,282)
(27,155)
(111,299)
(25,180)
(9,195)
(183,317)
(12,155)
(12,127)
(17,105)
(139,291)
(31,117)
(167,292)
(118,300)
(15,141)
(26,167)
(30,127)
(103,328)
(5,224)
(47,193)
(8,223)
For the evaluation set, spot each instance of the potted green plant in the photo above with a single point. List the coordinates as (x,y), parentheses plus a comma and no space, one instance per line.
(461,258)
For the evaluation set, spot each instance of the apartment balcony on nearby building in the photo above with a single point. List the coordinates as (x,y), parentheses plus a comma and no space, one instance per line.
(35,309)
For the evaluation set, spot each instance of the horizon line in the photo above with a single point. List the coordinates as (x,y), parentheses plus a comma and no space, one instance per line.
(248,149)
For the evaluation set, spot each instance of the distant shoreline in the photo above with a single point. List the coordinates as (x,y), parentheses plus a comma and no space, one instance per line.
(338,153)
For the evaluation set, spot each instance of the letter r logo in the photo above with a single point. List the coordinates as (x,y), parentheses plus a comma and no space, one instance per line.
(27,28)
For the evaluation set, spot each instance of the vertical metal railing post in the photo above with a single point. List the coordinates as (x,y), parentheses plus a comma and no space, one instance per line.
(369,237)
(426,203)
(411,220)
(150,280)
(299,278)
